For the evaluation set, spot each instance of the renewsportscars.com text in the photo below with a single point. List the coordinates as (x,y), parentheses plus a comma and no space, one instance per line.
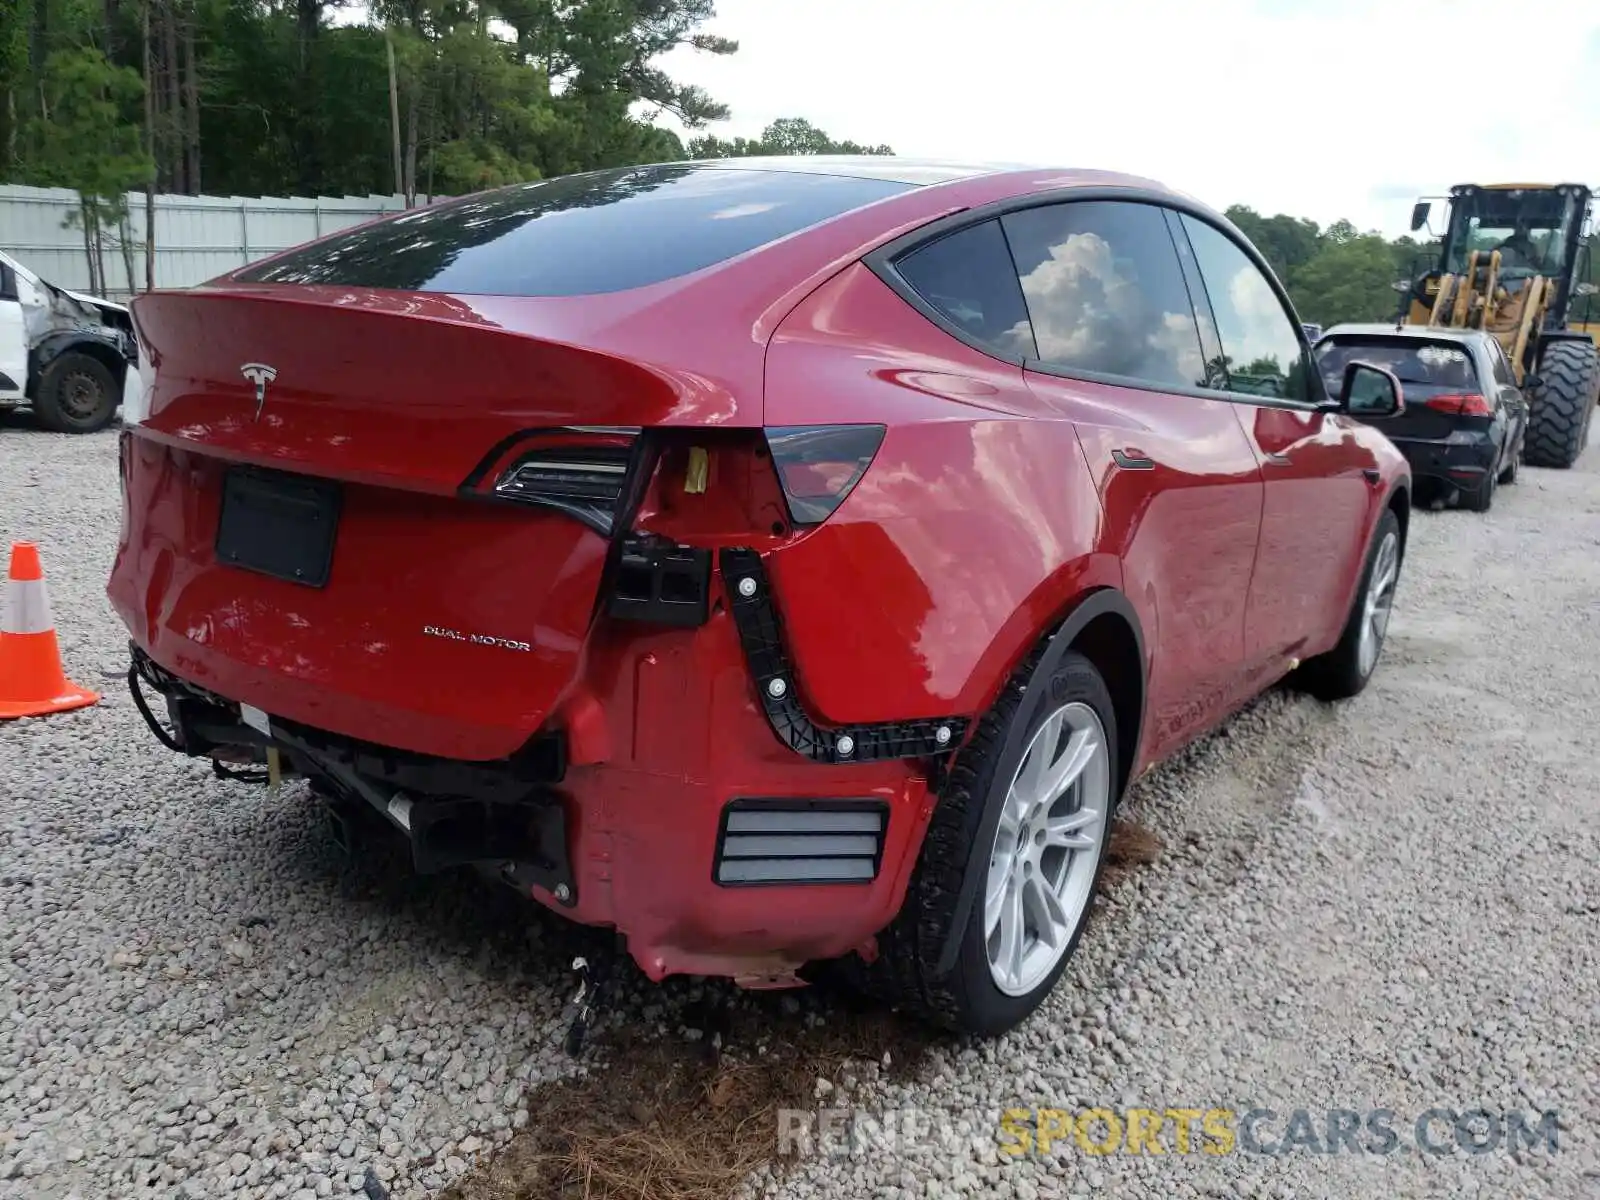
(1045,1131)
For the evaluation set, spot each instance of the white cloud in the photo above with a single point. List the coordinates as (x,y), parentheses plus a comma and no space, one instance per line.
(1088,310)
(1319,108)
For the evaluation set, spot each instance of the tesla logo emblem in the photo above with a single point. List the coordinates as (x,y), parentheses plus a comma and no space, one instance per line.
(259,374)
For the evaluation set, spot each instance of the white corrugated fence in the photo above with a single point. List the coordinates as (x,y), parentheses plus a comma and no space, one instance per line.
(196,237)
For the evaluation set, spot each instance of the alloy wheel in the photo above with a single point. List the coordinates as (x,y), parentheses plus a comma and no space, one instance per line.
(1047,848)
(1378,602)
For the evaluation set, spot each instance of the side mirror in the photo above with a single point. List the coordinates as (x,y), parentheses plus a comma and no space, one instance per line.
(1419,214)
(1370,391)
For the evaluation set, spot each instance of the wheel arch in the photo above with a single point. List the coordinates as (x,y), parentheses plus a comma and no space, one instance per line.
(1399,503)
(1102,625)
(1549,336)
(75,341)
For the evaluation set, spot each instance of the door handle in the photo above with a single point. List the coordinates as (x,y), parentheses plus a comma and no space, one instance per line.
(1273,459)
(1133,460)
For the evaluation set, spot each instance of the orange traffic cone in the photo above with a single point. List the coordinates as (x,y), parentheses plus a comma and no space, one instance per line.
(31,680)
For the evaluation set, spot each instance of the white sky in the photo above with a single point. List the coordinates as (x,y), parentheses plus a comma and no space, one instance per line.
(1317,108)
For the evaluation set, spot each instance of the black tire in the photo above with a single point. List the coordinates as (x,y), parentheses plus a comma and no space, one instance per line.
(1339,674)
(78,394)
(1508,474)
(1481,500)
(966,999)
(1558,420)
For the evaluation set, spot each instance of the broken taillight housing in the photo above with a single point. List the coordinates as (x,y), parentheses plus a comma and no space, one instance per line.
(818,465)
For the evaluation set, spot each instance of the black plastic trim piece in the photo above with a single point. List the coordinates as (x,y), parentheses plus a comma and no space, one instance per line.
(881,262)
(302,554)
(772,674)
(1129,462)
(1096,604)
(93,340)
(801,805)
(550,871)
(660,583)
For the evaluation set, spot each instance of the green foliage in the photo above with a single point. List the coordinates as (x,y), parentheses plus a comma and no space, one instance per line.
(86,141)
(262,97)
(1338,273)
(787,135)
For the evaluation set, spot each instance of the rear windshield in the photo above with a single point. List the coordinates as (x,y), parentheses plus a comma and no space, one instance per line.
(603,231)
(1424,368)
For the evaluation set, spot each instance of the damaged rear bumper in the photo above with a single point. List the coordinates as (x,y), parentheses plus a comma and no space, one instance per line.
(671,814)
(1463,460)
(501,815)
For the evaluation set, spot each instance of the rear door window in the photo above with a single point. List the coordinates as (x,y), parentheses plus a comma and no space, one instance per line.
(603,231)
(1105,292)
(968,279)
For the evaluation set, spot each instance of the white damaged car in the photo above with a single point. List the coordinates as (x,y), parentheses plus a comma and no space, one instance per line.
(65,355)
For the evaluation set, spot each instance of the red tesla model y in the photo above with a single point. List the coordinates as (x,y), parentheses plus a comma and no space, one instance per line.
(775,560)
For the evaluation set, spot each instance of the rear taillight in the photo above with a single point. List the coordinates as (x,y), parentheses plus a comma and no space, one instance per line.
(586,482)
(1460,404)
(818,465)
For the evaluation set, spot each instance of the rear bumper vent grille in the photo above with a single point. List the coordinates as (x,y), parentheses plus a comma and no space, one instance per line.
(800,841)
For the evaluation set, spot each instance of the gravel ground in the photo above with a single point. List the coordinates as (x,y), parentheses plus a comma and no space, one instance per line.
(1386,904)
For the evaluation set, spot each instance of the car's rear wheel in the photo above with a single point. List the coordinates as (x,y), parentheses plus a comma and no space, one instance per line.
(1481,500)
(1344,671)
(1053,803)
(76,395)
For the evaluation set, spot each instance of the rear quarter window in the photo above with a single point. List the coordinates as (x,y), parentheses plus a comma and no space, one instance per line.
(603,231)
(969,279)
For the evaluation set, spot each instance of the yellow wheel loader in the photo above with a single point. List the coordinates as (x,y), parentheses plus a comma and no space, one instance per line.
(1516,261)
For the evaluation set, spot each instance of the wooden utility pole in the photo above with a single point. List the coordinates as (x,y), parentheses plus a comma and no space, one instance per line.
(394,115)
(150,149)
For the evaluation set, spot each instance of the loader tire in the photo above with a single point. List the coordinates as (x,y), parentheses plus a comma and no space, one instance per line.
(1559,412)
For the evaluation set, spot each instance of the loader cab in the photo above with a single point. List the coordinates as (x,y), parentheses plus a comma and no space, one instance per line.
(1538,229)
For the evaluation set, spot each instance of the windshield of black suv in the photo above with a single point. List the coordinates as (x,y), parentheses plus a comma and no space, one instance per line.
(1424,368)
